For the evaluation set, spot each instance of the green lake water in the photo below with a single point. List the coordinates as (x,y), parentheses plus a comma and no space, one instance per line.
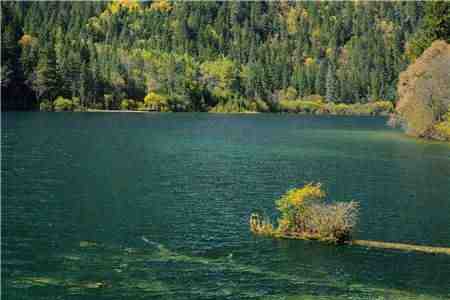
(156,206)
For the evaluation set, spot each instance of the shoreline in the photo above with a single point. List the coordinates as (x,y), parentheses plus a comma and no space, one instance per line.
(228,113)
(115,111)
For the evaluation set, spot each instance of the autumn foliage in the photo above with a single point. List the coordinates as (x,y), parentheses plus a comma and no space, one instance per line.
(424,92)
(305,215)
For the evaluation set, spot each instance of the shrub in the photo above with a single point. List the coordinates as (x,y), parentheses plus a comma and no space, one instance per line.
(178,103)
(128,104)
(441,130)
(156,102)
(332,222)
(140,106)
(314,105)
(258,105)
(97,105)
(76,105)
(45,105)
(303,214)
(338,109)
(300,106)
(360,109)
(381,107)
(309,106)
(228,107)
(287,106)
(289,93)
(314,98)
(239,105)
(124,104)
(62,104)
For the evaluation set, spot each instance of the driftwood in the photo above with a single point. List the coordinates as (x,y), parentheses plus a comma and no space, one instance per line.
(402,247)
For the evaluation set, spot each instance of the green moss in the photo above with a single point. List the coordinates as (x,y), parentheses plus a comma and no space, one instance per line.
(37,281)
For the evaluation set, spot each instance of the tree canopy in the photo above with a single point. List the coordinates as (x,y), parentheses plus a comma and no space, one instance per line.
(205,54)
(424,90)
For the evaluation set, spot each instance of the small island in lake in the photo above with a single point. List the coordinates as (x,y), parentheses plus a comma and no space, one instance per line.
(304,215)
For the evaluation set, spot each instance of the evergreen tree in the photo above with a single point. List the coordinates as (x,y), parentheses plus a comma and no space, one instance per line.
(321,78)
(331,84)
(46,83)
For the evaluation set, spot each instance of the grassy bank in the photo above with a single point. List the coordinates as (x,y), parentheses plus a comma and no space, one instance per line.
(320,107)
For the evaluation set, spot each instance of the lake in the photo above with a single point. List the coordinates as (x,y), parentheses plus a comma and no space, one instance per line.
(156,206)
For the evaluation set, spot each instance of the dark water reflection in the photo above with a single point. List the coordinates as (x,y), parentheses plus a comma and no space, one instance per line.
(188,182)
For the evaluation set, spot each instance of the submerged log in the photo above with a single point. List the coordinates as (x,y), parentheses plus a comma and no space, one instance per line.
(401,246)
(262,227)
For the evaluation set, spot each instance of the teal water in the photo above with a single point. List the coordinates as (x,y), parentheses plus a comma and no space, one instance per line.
(156,206)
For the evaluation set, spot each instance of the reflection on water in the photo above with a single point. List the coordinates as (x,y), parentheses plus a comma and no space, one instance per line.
(80,191)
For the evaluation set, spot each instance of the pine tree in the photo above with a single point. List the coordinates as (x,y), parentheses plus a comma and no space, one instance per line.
(321,77)
(71,74)
(47,84)
(302,84)
(331,84)
(11,70)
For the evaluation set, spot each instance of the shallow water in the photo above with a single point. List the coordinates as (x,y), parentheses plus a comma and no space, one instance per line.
(131,206)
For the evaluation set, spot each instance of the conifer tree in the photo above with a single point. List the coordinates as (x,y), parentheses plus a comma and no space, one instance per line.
(331,84)
(321,77)
(46,83)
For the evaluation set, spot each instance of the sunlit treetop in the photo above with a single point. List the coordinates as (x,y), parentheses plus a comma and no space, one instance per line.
(26,40)
(297,197)
(329,51)
(162,6)
(292,19)
(309,61)
(130,5)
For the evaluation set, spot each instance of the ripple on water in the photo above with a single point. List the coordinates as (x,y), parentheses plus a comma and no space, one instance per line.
(189,182)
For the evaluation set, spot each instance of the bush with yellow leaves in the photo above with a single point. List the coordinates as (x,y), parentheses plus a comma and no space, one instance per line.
(304,215)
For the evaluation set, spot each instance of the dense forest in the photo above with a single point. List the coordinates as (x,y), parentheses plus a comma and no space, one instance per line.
(203,56)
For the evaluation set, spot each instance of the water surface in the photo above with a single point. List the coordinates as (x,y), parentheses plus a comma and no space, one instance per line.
(143,206)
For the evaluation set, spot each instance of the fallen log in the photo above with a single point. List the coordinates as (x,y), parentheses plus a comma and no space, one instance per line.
(401,246)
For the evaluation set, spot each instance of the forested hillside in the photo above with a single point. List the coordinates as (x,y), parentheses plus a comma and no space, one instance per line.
(201,56)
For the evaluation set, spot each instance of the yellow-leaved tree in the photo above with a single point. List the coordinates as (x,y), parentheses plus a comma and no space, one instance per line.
(162,6)
(292,206)
(156,102)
